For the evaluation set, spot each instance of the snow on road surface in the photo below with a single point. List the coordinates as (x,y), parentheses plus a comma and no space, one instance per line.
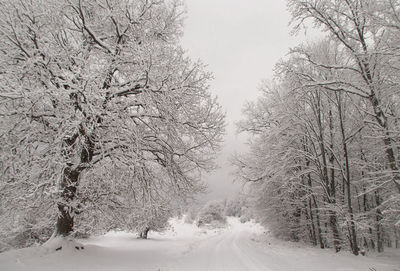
(186,247)
(243,247)
(231,249)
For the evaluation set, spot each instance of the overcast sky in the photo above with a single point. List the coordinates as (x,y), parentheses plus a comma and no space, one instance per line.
(240,40)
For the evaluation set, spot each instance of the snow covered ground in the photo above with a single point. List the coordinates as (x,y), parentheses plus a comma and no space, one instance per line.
(186,247)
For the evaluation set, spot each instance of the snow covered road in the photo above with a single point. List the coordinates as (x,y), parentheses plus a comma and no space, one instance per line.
(230,250)
(186,247)
(245,247)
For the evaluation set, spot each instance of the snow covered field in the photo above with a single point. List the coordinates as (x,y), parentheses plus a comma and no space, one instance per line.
(186,247)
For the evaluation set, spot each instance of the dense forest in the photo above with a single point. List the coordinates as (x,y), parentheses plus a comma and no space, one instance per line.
(324,150)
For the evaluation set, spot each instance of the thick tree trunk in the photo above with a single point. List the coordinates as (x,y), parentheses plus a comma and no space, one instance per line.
(70,182)
(65,220)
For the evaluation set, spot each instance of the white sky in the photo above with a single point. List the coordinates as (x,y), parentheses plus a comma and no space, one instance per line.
(240,40)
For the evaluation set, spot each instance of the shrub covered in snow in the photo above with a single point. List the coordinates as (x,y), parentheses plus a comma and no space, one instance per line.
(191,215)
(239,206)
(27,232)
(212,214)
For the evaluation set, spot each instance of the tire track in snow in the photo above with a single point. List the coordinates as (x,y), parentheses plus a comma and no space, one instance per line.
(230,250)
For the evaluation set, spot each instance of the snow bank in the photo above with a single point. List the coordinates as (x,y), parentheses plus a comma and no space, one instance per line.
(62,244)
(240,246)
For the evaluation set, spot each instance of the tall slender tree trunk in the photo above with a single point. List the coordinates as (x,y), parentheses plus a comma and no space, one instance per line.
(308,202)
(365,200)
(330,198)
(312,226)
(312,201)
(317,217)
(353,236)
(325,178)
(381,118)
(387,140)
(318,220)
(379,230)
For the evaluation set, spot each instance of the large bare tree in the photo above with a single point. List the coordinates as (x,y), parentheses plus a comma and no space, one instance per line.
(90,88)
